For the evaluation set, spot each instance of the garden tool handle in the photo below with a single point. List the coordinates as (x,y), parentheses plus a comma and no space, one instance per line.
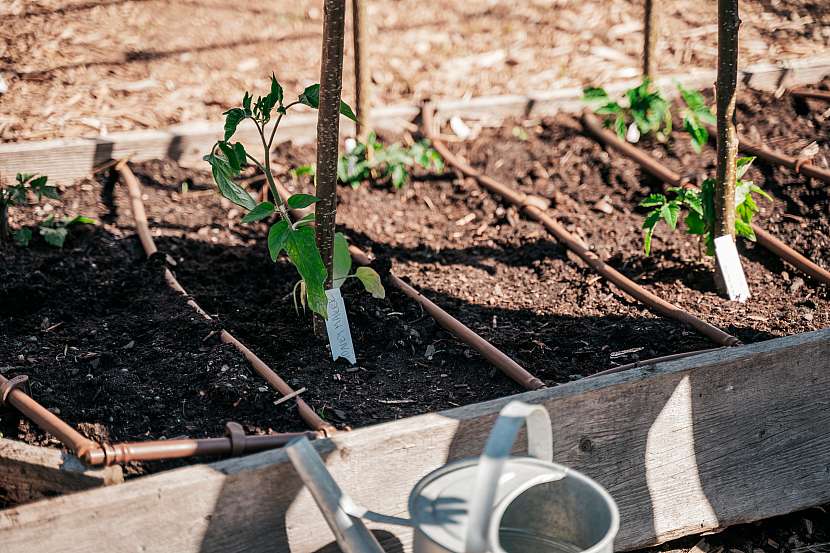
(491,463)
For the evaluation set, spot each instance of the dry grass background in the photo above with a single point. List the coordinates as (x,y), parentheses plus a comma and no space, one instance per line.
(88,67)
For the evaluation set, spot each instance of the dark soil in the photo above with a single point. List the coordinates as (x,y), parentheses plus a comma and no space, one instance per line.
(119,356)
(806,531)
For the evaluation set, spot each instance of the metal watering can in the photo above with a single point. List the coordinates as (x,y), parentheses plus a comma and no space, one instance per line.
(489,504)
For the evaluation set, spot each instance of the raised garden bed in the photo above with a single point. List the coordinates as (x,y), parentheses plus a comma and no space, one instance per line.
(116,354)
(685,446)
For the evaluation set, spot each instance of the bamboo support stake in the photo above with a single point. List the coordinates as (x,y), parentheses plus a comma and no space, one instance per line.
(726,87)
(651,32)
(328,128)
(363,85)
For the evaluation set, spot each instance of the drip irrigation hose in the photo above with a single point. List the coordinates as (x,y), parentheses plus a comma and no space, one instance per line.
(92,453)
(810,93)
(594,127)
(531,207)
(487,350)
(143,230)
(800,166)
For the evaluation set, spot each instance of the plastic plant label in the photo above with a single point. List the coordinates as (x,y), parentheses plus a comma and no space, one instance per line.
(337,327)
(731,269)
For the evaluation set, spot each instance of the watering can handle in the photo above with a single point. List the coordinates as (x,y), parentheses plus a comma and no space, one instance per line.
(491,463)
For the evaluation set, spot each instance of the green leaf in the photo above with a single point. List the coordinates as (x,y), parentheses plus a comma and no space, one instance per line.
(619,126)
(647,235)
(399,175)
(610,108)
(49,192)
(670,212)
(232,119)
(22,237)
(692,98)
(277,235)
(301,247)
(593,93)
(241,156)
(246,103)
(744,229)
(79,220)
(303,170)
(347,111)
(743,164)
(648,229)
(311,98)
(699,134)
(691,198)
(307,220)
(223,176)
(695,224)
(276,89)
(300,201)
(371,281)
(653,200)
(342,260)
(258,213)
(230,155)
(54,236)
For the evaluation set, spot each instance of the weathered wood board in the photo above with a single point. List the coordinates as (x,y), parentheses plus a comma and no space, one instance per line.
(721,438)
(66,160)
(29,472)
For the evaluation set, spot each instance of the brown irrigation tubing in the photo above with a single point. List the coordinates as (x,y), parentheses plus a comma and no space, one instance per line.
(93,453)
(811,93)
(800,166)
(530,208)
(765,239)
(143,230)
(464,333)
(487,350)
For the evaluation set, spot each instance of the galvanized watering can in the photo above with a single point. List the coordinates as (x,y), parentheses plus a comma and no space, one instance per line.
(489,504)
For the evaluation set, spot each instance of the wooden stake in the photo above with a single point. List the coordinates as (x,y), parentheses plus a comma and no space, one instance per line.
(650,36)
(363,86)
(328,133)
(726,87)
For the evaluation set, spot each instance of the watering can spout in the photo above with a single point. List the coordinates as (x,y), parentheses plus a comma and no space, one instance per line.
(342,514)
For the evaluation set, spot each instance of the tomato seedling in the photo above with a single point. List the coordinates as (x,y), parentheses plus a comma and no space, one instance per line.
(700,219)
(643,110)
(374,162)
(296,238)
(54,231)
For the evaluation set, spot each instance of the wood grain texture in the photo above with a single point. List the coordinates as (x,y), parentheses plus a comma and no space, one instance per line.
(712,440)
(29,472)
(66,160)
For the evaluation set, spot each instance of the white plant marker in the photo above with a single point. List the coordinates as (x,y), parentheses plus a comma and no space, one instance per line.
(731,269)
(337,327)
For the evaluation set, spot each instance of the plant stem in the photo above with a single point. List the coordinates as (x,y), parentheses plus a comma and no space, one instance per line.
(363,84)
(650,36)
(328,128)
(728,23)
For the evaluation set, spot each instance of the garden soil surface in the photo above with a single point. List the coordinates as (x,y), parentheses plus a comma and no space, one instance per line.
(118,355)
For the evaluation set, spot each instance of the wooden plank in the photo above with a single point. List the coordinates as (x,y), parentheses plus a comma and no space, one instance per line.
(66,160)
(30,472)
(689,445)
